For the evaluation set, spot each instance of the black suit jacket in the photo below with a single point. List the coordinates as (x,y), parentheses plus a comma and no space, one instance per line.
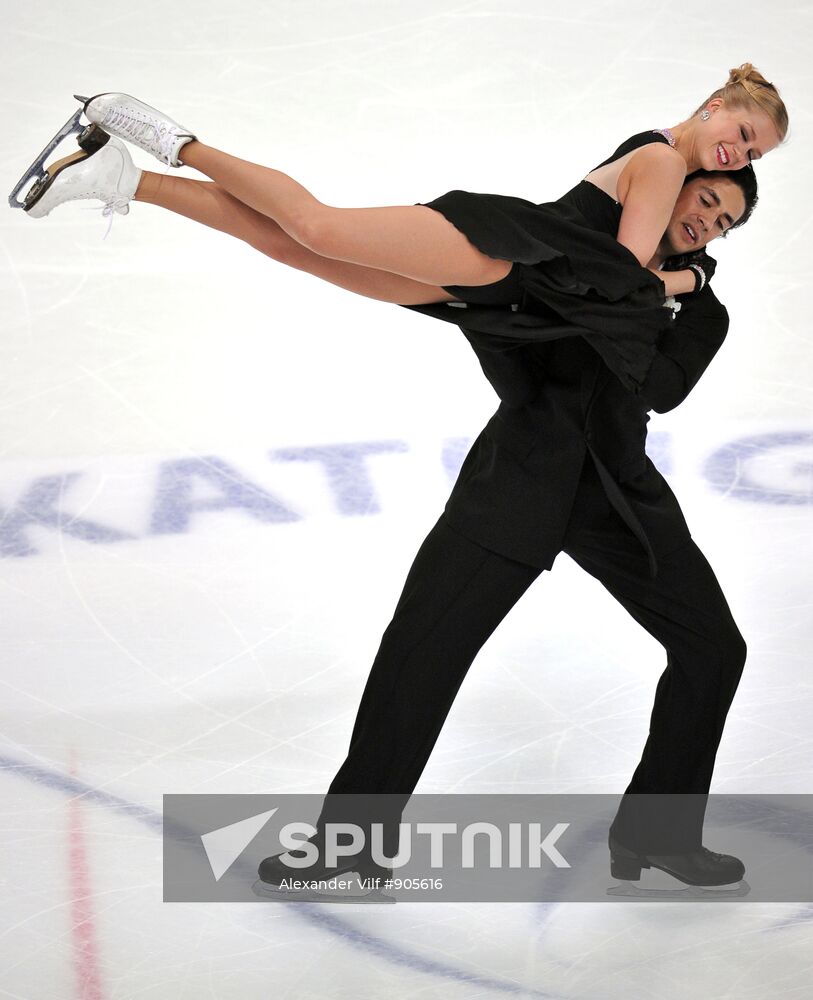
(559,403)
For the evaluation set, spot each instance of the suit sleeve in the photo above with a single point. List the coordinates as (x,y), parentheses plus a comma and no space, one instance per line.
(685,350)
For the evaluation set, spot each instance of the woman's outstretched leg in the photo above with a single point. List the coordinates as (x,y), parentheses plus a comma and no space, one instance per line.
(414,241)
(211,205)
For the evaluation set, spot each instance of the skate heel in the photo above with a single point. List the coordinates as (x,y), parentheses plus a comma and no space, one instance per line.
(82,100)
(39,188)
(625,863)
(93,138)
(628,869)
(90,139)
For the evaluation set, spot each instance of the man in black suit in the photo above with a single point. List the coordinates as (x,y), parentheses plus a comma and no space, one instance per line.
(561,466)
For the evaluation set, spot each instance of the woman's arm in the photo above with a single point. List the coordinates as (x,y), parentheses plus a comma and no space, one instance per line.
(648,188)
(676,282)
(680,272)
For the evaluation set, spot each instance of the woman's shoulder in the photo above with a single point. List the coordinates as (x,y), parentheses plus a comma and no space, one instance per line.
(650,138)
(647,154)
(655,155)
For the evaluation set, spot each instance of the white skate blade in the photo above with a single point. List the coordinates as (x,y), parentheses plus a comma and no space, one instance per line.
(657,884)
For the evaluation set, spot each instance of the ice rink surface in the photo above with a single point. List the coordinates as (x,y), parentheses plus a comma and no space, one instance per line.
(216,471)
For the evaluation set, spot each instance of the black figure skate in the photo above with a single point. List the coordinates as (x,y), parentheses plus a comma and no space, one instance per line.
(704,874)
(352,880)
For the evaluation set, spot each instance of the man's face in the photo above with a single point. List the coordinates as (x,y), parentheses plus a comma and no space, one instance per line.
(705,208)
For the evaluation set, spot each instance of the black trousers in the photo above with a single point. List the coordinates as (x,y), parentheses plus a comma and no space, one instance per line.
(457,593)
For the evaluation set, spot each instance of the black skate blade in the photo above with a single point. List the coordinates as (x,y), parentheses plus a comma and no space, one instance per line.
(37,169)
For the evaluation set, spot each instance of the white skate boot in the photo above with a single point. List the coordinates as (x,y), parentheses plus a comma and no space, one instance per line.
(101,169)
(126,118)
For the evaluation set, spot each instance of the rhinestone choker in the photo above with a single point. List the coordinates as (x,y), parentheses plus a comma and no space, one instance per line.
(666,134)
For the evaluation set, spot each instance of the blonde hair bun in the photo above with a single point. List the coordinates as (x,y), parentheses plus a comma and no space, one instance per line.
(747,87)
(745,74)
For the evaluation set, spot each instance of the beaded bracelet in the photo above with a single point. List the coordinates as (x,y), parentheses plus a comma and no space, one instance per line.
(699,276)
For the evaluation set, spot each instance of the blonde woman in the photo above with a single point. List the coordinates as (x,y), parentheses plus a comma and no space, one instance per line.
(586,259)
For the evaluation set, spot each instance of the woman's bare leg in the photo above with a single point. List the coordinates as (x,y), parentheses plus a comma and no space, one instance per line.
(411,240)
(209,204)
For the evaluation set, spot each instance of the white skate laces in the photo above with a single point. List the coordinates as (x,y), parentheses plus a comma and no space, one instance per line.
(150,134)
(108,210)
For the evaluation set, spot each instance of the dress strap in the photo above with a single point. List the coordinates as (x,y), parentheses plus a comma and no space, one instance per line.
(666,134)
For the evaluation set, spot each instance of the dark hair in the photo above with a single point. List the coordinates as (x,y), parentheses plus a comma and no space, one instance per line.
(746,180)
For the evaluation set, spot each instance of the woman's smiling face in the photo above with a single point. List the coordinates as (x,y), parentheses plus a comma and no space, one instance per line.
(732,137)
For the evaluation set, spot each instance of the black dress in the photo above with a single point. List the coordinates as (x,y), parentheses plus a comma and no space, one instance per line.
(571,277)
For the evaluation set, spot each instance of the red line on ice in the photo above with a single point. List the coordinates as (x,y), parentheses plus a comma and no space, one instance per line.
(85,949)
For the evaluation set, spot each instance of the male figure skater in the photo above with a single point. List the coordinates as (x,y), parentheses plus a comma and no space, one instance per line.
(561,467)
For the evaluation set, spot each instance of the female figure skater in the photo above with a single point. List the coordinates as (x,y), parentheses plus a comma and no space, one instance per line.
(557,256)
(573,283)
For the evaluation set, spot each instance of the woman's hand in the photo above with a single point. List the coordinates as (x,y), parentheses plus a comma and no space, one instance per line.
(675,282)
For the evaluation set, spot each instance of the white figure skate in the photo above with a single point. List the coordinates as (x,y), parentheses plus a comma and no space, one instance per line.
(101,169)
(126,118)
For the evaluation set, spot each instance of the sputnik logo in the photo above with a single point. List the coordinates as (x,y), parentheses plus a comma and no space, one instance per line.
(225,845)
